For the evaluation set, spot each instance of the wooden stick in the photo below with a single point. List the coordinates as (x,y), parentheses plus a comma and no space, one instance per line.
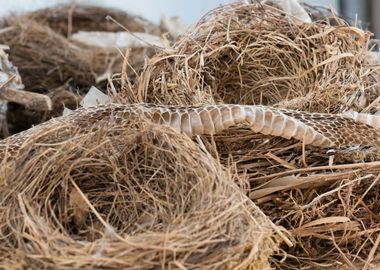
(30,100)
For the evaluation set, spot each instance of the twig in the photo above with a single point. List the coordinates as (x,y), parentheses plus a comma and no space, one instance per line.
(108,17)
(372,253)
(362,166)
(30,100)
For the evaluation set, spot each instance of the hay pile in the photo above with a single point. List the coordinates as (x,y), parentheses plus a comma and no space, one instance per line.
(51,63)
(136,196)
(254,54)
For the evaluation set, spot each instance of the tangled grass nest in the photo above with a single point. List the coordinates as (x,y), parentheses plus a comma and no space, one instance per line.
(256,54)
(139,195)
(135,196)
(50,62)
(46,56)
(67,20)
(253,54)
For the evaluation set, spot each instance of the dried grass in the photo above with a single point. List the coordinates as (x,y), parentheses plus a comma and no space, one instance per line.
(253,54)
(50,62)
(135,196)
(67,20)
(163,192)
(41,46)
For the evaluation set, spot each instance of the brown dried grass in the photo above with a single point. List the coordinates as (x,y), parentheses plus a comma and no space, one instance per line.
(253,54)
(130,196)
(66,20)
(50,62)
(331,212)
(248,54)
(46,57)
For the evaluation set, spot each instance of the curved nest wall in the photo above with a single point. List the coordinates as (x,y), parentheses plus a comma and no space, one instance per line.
(135,195)
(139,196)
(254,54)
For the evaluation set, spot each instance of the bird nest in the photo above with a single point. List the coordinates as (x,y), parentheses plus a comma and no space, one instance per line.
(256,54)
(52,63)
(40,45)
(134,195)
(137,195)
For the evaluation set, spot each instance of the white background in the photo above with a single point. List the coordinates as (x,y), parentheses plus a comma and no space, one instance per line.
(188,10)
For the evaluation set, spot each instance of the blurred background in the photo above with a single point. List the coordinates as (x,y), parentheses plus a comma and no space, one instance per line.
(188,11)
(363,11)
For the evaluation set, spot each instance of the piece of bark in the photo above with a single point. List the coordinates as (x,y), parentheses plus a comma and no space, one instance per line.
(30,100)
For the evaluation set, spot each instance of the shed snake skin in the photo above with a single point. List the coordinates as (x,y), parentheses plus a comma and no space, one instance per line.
(317,129)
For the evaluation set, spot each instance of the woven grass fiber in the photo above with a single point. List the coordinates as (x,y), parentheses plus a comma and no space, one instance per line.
(256,54)
(133,195)
(328,205)
(50,62)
